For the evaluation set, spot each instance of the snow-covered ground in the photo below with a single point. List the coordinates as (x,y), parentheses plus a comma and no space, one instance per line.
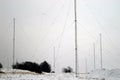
(113,74)
(27,75)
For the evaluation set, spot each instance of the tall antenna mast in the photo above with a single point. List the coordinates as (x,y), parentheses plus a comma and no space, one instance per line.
(76,51)
(13,41)
(94,56)
(86,66)
(54,59)
(101,50)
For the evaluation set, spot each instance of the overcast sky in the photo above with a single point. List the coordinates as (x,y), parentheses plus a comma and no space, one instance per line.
(42,25)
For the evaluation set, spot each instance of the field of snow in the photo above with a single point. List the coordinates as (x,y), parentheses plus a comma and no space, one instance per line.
(26,75)
(113,74)
(36,77)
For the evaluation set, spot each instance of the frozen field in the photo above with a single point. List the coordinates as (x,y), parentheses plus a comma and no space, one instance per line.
(26,75)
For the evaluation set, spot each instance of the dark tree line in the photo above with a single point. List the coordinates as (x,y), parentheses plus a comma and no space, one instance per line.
(67,70)
(1,65)
(1,68)
(34,67)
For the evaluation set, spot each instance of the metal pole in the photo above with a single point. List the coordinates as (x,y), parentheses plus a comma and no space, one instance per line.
(94,56)
(13,41)
(86,70)
(76,51)
(101,51)
(54,59)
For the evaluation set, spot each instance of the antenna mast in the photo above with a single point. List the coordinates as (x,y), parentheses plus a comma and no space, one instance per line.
(54,59)
(13,41)
(94,56)
(86,66)
(101,50)
(76,51)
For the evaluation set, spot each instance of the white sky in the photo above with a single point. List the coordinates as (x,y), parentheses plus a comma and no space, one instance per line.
(44,24)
